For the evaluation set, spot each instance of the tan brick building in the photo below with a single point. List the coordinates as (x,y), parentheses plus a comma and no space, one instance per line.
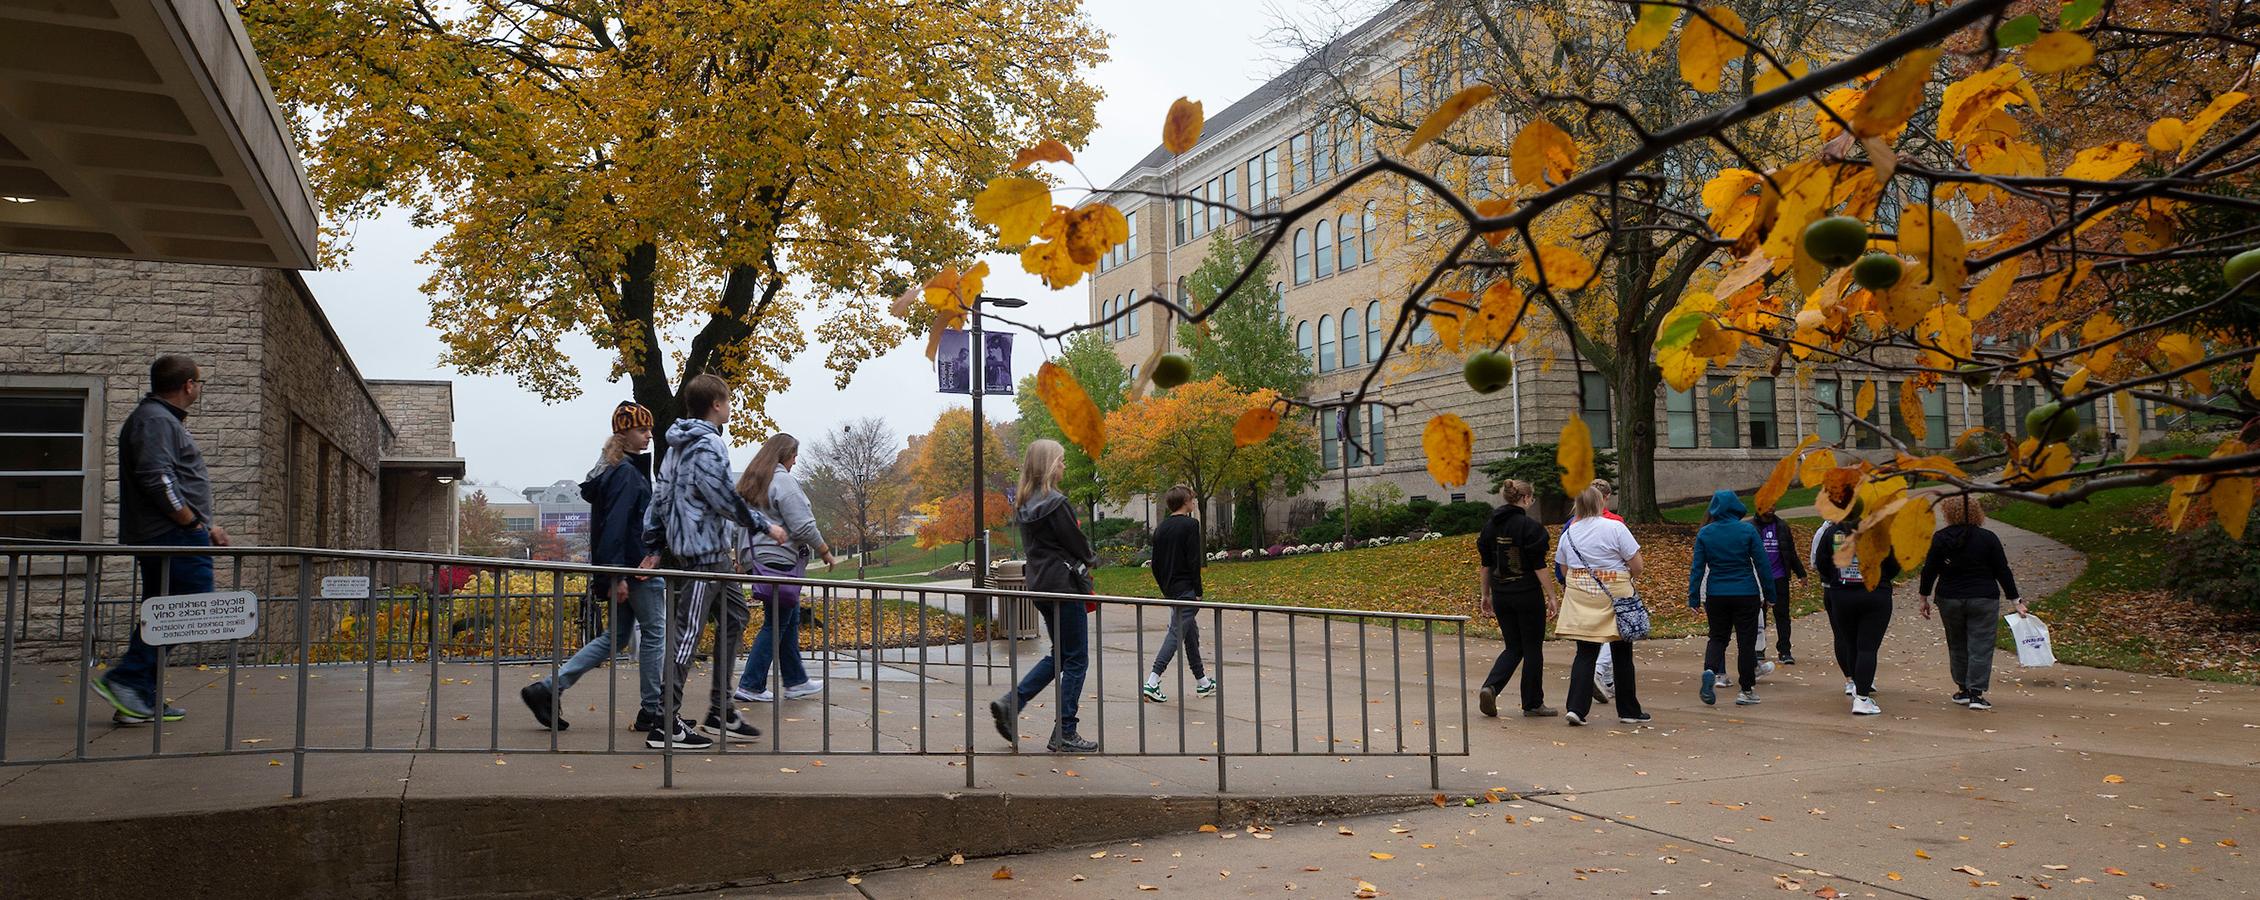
(1338,291)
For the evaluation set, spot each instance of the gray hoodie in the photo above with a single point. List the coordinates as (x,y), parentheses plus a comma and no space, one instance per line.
(694,514)
(789,504)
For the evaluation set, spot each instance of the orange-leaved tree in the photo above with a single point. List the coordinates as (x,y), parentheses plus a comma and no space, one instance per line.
(949,520)
(1191,435)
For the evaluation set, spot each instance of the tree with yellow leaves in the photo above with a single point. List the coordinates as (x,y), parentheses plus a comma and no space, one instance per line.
(1190,435)
(745,175)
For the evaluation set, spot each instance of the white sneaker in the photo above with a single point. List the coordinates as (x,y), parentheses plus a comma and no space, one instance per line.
(809,688)
(1863,706)
(1205,687)
(761,696)
(1848,691)
(1722,681)
(1765,668)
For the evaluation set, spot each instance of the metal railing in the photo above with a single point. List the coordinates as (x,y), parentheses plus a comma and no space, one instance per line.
(430,627)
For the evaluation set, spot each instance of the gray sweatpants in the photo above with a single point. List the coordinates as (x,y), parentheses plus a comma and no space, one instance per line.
(1971,624)
(1184,626)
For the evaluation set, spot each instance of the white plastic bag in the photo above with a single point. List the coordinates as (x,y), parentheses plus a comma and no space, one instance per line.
(2031,637)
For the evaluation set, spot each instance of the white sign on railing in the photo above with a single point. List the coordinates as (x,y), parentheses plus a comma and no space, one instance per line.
(345,587)
(191,618)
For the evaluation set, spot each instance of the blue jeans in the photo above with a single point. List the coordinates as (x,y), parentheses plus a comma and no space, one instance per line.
(640,619)
(779,638)
(1068,624)
(161,576)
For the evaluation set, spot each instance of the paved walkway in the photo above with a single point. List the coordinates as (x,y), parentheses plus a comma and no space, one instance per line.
(2081,783)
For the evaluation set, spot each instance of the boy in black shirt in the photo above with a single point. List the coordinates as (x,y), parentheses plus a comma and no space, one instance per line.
(1177,570)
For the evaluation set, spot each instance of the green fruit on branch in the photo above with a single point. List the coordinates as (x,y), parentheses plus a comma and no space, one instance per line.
(1172,370)
(1488,370)
(1877,271)
(1836,241)
(2050,423)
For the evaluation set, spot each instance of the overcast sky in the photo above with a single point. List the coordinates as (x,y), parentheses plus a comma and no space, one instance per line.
(1212,51)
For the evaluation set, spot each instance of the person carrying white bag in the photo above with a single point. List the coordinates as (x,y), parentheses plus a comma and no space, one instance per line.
(2031,637)
(1968,573)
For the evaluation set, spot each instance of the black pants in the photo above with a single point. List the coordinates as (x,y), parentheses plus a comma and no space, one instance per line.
(1522,627)
(1859,619)
(1781,616)
(1581,678)
(1735,617)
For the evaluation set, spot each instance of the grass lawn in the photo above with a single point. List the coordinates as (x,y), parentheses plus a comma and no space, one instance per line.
(1692,513)
(2120,613)
(1437,576)
(902,558)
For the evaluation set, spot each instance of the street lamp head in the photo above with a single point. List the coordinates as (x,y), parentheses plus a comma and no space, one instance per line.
(1003,302)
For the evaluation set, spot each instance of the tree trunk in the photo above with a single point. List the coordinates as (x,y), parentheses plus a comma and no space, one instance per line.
(1633,396)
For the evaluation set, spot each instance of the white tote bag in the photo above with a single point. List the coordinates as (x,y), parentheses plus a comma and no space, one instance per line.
(2031,636)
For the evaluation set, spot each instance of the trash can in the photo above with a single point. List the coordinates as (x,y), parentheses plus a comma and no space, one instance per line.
(1015,616)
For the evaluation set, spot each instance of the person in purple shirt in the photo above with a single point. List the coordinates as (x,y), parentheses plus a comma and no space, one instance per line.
(1780,542)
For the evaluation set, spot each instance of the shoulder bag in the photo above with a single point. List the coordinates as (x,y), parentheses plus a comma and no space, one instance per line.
(1632,614)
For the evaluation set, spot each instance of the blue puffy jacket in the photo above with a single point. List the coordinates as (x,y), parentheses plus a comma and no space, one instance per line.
(1729,553)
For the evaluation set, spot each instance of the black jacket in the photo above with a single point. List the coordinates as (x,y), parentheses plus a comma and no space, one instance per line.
(1513,547)
(617,495)
(160,471)
(1059,556)
(1177,557)
(1966,562)
(1848,582)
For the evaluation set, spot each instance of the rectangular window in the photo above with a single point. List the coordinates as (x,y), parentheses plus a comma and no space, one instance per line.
(1593,406)
(1271,173)
(43,464)
(1724,434)
(1209,193)
(1322,147)
(1479,178)
(1184,207)
(1130,247)
(1345,141)
(1758,405)
(1408,90)
(1329,449)
(1365,142)
(2025,403)
(1827,425)
(1995,414)
(1231,195)
(1376,442)
(1298,163)
(1679,419)
(1934,418)
(1887,405)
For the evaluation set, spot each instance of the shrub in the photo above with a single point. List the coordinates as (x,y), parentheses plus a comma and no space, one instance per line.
(1464,517)
(1108,529)
(1124,555)
(2087,442)
(2219,570)
(1534,463)
(1327,528)
(1978,443)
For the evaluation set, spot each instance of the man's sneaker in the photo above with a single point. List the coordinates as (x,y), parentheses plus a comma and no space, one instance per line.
(646,720)
(1961,698)
(1003,712)
(685,737)
(1540,712)
(1747,698)
(809,688)
(1709,689)
(1864,706)
(172,714)
(1206,687)
(1724,680)
(1765,669)
(1573,719)
(128,701)
(1604,689)
(1848,691)
(1152,692)
(1071,742)
(1487,700)
(745,696)
(735,726)
(1978,701)
(1641,719)
(543,702)
(1787,659)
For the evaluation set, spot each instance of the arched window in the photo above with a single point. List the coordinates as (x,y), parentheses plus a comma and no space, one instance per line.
(1324,234)
(1133,373)
(1348,228)
(1131,322)
(1107,309)
(1326,343)
(1303,344)
(1372,227)
(1373,343)
(1302,256)
(1353,347)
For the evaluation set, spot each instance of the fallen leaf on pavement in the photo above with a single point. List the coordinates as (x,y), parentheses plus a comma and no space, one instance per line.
(1379,855)
(2114,779)
(1344,830)
(1921,855)
(1972,871)
(957,859)
(1208,829)
(1099,855)
(1894,876)
(1003,873)
(2115,871)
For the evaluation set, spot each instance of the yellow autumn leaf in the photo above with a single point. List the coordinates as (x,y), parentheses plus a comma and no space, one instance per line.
(2063,281)
(1181,128)
(1872,543)
(2180,349)
(1911,411)
(1705,49)
(2077,382)
(1934,239)
(1446,113)
(1654,25)
(2177,502)
(1382,856)
(2251,380)
(1887,103)
(1816,466)
(2232,503)
(1564,268)
(1990,291)
(1046,150)
(1732,206)
(1910,533)
(2104,162)
(1092,230)
(2166,134)
(1542,154)
(1863,402)
(1682,367)
(1492,209)
(1016,205)
(1255,426)
(1450,448)
(1770,77)
(1777,483)
(2058,51)
(1077,416)
(2205,119)
(1575,456)
(2124,400)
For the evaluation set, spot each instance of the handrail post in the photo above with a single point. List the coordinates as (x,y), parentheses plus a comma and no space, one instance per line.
(1435,776)
(1218,619)
(305,650)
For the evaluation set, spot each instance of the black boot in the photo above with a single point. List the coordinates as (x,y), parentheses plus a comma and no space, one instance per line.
(543,702)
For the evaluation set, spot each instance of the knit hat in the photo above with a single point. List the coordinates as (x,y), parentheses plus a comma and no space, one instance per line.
(630,414)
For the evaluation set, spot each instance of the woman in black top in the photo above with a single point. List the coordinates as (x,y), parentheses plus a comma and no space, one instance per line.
(1513,549)
(1968,573)
(1857,614)
(1059,562)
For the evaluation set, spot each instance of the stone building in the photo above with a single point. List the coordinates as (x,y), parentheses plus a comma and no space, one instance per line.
(1341,277)
(419,469)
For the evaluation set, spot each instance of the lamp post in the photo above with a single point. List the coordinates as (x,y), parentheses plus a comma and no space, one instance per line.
(1342,439)
(976,359)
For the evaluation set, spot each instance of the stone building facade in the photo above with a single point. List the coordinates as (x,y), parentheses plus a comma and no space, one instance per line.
(1341,278)
(420,469)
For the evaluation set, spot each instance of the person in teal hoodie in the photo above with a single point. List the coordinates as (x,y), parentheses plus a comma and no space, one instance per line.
(1731,568)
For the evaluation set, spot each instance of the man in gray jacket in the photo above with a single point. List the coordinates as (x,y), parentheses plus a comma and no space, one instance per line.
(164,500)
(696,516)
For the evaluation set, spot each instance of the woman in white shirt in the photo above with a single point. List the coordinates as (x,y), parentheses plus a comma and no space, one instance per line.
(1600,559)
